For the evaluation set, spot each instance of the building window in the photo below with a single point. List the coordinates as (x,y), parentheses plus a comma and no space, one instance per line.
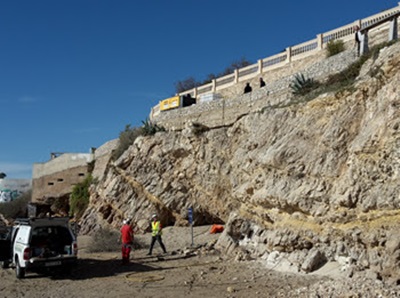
(50,183)
(60,179)
(81,174)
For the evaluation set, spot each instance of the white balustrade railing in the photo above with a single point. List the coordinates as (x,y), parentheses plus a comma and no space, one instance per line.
(248,70)
(225,80)
(305,47)
(277,59)
(302,50)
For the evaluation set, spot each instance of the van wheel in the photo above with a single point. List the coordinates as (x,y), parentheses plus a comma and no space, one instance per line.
(19,271)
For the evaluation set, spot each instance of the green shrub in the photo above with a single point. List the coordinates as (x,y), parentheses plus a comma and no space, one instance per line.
(302,85)
(60,205)
(129,135)
(347,76)
(199,128)
(334,47)
(335,82)
(126,138)
(149,128)
(79,198)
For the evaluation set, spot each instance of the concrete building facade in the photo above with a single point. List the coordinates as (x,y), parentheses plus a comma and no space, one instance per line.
(57,177)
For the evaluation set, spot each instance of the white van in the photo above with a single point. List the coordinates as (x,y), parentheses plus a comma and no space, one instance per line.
(40,244)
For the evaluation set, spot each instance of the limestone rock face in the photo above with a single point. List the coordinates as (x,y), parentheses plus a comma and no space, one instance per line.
(321,176)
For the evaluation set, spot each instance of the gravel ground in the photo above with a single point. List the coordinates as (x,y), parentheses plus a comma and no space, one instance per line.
(186,271)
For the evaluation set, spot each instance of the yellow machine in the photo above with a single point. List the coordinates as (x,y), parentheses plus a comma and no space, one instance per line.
(177,102)
(170,103)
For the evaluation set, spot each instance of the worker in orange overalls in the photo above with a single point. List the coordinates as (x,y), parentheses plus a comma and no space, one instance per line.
(127,240)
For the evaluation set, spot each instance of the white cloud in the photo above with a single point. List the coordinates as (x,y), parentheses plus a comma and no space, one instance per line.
(16,170)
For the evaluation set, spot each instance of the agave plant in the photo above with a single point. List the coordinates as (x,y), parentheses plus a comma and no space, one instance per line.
(149,128)
(302,85)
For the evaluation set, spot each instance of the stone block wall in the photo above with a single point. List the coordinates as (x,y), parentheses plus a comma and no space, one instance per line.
(272,76)
(57,177)
(227,110)
(57,184)
(61,163)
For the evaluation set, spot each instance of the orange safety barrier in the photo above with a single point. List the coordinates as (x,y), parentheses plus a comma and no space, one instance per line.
(216,229)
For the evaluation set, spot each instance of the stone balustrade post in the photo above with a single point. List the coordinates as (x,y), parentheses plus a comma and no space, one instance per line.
(320,41)
(288,54)
(364,44)
(236,75)
(260,66)
(214,85)
(393,30)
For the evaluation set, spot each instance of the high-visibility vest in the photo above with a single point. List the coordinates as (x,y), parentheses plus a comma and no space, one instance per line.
(155,228)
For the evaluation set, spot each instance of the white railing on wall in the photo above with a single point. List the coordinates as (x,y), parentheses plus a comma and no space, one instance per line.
(376,18)
(305,47)
(274,60)
(299,51)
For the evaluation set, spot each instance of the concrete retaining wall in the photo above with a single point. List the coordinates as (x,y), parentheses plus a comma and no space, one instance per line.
(226,111)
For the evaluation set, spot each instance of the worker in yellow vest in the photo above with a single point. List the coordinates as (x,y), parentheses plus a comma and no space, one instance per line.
(156,232)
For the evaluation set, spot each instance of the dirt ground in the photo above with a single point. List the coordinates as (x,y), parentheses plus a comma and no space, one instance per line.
(186,271)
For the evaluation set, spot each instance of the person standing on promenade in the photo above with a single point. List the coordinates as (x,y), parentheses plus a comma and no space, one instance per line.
(248,88)
(262,83)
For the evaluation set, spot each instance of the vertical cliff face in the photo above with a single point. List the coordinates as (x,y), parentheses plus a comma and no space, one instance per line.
(320,175)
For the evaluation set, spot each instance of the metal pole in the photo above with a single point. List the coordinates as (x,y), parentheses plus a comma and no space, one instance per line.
(192,234)
(190,216)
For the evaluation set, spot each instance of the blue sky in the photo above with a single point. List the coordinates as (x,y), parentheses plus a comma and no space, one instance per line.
(74,73)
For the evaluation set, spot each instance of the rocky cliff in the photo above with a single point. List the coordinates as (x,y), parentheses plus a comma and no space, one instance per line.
(307,183)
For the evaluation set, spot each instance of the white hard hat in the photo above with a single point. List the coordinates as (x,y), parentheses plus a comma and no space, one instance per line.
(154,215)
